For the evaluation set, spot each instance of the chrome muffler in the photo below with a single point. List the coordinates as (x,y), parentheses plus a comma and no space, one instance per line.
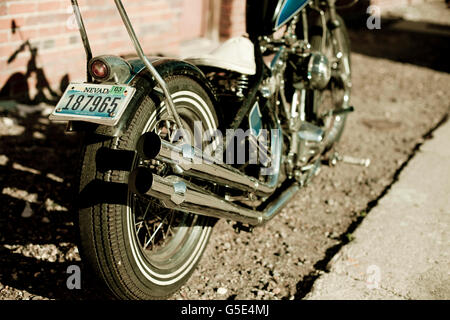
(179,194)
(191,162)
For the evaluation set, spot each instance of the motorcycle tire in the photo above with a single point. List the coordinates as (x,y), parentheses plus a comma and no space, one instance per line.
(115,242)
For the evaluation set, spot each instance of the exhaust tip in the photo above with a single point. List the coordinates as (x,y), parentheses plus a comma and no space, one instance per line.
(149,145)
(140,181)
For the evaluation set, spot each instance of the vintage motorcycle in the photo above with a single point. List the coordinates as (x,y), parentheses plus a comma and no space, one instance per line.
(156,169)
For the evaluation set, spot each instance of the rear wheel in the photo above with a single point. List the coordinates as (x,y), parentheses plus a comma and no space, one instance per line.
(140,249)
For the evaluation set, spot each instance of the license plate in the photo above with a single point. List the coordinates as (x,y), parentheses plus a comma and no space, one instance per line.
(97,103)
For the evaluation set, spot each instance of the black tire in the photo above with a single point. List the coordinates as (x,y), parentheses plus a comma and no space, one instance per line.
(111,243)
(337,128)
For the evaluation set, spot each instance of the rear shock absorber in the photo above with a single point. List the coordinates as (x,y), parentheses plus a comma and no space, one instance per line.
(242,86)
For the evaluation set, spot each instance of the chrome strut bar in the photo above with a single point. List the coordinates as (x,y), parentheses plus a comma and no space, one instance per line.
(171,106)
(84,37)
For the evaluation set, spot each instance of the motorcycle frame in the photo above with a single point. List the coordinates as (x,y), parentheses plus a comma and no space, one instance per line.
(240,214)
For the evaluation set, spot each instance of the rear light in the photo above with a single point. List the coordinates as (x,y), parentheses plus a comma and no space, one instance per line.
(110,69)
(99,69)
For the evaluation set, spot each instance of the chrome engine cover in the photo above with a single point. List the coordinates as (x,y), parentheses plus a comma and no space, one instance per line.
(318,71)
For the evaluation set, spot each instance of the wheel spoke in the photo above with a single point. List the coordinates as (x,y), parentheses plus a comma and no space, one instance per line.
(169,226)
(151,240)
(146,243)
(146,211)
(139,226)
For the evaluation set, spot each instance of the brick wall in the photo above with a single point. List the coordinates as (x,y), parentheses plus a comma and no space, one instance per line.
(232,18)
(59,55)
(52,32)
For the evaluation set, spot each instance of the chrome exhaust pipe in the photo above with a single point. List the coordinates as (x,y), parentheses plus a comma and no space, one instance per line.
(194,163)
(179,194)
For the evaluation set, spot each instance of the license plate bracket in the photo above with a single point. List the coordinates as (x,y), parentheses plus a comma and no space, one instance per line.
(97,103)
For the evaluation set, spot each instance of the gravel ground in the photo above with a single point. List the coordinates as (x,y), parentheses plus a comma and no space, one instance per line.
(397,105)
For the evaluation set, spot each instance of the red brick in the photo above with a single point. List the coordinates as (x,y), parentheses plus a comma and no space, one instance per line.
(52,5)
(45,32)
(3,10)
(20,63)
(19,8)
(6,50)
(47,19)
(5,23)
(24,34)
(55,56)
(3,36)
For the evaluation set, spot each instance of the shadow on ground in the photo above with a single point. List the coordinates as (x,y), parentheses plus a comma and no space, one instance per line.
(38,170)
(420,43)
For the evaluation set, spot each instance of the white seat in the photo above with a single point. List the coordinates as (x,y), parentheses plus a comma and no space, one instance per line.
(236,54)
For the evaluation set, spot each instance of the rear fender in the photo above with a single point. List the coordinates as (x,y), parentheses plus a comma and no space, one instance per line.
(142,80)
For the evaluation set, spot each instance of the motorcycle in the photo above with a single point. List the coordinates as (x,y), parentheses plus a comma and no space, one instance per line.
(156,170)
